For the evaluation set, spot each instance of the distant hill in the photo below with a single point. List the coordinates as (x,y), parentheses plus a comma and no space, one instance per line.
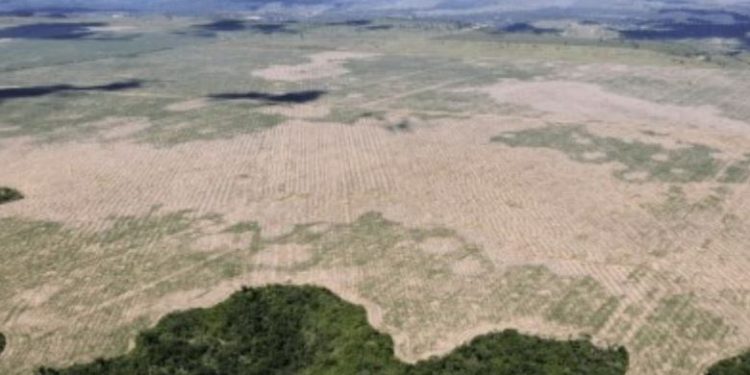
(404,7)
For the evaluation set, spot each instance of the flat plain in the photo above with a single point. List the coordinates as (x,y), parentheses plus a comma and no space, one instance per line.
(452,182)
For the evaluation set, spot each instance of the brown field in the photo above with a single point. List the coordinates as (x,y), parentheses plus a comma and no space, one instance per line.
(450,195)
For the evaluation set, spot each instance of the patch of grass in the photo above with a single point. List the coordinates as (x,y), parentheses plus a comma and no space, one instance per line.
(447,102)
(683,90)
(9,195)
(583,297)
(693,163)
(243,227)
(74,115)
(687,329)
(138,231)
(308,330)
(677,206)
(737,172)
(436,286)
(219,121)
(350,115)
(79,115)
(689,321)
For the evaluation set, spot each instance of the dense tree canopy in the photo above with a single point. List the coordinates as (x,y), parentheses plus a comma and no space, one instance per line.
(308,330)
(739,365)
(8,195)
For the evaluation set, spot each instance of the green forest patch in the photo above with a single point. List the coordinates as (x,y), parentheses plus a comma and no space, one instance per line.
(739,365)
(308,330)
(692,163)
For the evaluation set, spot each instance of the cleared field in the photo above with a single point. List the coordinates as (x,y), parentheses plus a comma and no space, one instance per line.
(451,184)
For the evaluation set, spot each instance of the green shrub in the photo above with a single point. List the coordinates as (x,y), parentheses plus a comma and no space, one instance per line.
(9,195)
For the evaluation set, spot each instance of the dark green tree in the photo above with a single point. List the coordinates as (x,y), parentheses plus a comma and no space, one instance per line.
(739,365)
(8,195)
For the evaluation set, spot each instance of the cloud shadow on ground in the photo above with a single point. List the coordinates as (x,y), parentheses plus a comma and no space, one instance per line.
(210,30)
(53,31)
(294,97)
(691,30)
(37,91)
(527,28)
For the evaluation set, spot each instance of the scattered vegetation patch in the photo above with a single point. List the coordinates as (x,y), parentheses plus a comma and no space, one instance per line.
(738,171)
(739,365)
(426,277)
(655,162)
(350,115)
(286,329)
(447,102)
(220,121)
(677,205)
(9,195)
(400,127)
(679,323)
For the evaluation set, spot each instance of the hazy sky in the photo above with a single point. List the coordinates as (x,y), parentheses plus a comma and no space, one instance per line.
(454,5)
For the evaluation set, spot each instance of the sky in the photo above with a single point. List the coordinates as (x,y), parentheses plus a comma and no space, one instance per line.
(456,6)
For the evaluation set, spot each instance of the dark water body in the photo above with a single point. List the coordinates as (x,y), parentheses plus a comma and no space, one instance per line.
(289,97)
(37,91)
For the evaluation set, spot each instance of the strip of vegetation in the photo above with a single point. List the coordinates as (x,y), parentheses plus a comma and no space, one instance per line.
(2,343)
(739,365)
(309,330)
(692,163)
(9,195)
